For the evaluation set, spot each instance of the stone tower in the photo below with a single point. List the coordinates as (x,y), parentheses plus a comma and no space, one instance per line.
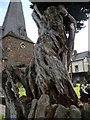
(15,42)
(14,20)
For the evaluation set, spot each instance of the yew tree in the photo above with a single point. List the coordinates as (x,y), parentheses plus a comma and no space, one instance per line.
(57,24)
(48,71)
(79,10)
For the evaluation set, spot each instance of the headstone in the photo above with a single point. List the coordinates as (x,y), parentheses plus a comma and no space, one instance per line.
(86,112)
(74,112)
(61,112)
(32,109)
(51,111)
(42,106)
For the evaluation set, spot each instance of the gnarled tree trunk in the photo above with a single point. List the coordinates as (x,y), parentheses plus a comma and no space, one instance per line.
(48,69)
(47,73)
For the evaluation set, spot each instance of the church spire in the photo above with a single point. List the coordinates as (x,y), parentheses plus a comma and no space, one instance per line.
(14,20)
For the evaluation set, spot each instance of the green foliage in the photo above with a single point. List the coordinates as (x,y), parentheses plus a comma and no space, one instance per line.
(2,116)
(79,10)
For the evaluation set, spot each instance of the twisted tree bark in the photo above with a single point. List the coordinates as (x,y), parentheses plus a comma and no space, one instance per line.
(47,73)
(15,108)
(48,69)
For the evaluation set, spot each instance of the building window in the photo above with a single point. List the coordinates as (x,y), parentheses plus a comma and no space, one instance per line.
(22,32)
(76,68)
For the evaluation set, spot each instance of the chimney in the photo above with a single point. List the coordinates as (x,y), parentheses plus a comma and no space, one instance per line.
(75,52)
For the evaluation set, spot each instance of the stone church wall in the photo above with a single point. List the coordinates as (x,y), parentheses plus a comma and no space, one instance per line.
(18,51)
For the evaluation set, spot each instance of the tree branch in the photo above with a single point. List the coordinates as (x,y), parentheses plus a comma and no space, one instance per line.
(72,29)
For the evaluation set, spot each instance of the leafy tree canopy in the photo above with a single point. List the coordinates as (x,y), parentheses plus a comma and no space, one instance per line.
(79,10)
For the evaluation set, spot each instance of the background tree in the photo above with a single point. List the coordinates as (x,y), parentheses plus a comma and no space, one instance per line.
(79,10)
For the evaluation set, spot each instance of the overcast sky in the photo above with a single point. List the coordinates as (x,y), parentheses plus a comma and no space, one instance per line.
(81,39)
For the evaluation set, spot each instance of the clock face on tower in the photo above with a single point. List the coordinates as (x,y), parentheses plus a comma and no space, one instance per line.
(22,45)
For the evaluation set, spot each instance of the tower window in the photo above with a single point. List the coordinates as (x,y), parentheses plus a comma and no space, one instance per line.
(22,45)
(22,32)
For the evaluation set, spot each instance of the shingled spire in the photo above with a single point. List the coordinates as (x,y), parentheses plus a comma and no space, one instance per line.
(14,20)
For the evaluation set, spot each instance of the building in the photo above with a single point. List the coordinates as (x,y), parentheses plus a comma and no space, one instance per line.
(79,68)
(3,58)
(15,43)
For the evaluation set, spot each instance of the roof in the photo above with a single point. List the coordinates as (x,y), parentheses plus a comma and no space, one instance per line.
(14,35)
(2,54)
(80,56)
(0,31)
(14,21)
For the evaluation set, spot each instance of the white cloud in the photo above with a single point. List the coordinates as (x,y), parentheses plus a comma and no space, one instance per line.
(81,39)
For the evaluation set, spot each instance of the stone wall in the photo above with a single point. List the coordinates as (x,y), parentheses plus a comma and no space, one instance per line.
(18,51)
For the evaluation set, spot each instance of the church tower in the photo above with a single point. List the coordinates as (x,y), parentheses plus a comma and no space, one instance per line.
(14,20)
(15,42)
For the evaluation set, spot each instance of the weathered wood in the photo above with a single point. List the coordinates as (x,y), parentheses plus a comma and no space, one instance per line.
(51,56)
(13,103)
